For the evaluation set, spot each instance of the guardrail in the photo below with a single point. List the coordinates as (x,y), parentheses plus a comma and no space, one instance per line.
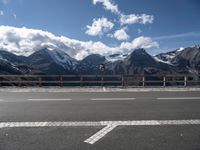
(99,80)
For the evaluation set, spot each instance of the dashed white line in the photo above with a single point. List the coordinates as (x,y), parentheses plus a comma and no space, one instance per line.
(109,125)
(179,98)
(49,99)
(112,99)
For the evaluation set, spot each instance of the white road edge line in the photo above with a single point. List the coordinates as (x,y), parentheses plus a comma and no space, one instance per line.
(49,99)
(109,125)
(112,99)
(179,98)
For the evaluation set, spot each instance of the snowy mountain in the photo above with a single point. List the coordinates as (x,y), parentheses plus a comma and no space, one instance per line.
(167,57)
(139,62)
(52,62)
(185,59)
(57,62)
(188,59)
(90,64)
(13,64)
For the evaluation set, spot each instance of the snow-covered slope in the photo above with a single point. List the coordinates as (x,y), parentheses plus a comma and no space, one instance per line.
(168,57)
(63,59)
(116,57)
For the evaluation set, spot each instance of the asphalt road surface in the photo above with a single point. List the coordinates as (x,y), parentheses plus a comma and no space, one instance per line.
(100,121)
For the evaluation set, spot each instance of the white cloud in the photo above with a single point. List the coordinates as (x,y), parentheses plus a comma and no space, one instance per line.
(1,13)
(99,26)
(108,5)
(23,41)
(125,19)
(133,19)
(181,35)
(121,34)
(140,42)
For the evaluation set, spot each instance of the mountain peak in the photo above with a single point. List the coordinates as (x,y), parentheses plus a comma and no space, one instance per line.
(94,59)
(140,57)
(139,54)
(139,51)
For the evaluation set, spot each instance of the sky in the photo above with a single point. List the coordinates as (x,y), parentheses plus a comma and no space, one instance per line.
(116,25)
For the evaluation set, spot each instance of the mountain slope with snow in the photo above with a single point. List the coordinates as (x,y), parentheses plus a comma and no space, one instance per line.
(52,62)
(167,57)
(57,62)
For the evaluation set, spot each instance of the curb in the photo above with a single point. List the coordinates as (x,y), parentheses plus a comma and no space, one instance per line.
(98,89)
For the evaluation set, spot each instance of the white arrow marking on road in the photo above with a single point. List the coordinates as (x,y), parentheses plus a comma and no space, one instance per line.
(109,125)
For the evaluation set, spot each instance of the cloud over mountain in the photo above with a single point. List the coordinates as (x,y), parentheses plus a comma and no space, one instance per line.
(24,41)
(121,34)
(99,26)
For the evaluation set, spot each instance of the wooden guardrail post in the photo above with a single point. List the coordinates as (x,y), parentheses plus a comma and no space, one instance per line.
(143,81)
(102,80)
(19,81)
(185,80)
(40,82)
(61,81)
(122,80)
(81,81)
(164,81)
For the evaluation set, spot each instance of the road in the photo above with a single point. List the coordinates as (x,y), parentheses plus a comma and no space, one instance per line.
(100,121)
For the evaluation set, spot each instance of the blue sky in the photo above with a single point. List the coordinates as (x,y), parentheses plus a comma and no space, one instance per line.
(171,23)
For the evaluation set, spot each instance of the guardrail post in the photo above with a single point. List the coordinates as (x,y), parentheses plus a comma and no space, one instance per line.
(143,81)
(164,81)
(40,81)
(122,80)
(61,81)
(81,81)
(185,81)
(102,80)
(19,81)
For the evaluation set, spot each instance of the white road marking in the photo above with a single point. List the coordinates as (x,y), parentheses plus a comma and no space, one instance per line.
(1,100)
(112,99)
(109,125)
(179,98)
(49,99)
(93,139)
